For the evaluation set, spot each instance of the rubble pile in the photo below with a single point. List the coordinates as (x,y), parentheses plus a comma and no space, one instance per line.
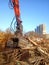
(32,50)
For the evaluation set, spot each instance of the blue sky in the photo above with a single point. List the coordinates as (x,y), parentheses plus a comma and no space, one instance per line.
(33,13)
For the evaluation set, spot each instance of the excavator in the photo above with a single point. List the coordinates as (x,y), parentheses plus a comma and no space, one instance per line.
(19,26)
(15,5)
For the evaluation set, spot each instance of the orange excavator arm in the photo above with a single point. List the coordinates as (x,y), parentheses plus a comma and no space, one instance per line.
(16,7)
(17,14)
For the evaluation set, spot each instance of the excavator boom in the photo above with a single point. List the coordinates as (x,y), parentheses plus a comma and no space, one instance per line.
(17,15)
(16,7)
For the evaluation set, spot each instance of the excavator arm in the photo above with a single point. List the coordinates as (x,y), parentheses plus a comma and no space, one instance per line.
(17,15)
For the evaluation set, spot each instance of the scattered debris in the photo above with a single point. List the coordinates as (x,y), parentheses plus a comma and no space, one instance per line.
(28,52)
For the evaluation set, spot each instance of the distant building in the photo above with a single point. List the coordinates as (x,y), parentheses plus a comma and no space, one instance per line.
(41,29)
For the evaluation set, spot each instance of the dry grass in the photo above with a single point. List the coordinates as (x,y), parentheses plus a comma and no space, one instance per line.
(4,37)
